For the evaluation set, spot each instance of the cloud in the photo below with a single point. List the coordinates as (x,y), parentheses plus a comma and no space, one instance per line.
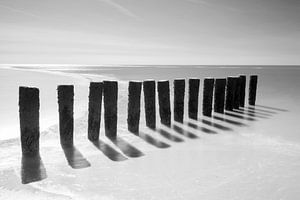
(19,11)
(120,8)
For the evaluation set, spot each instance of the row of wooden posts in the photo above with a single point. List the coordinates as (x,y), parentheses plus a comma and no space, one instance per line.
(228,94)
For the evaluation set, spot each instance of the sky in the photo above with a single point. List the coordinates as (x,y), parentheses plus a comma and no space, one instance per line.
(200,32)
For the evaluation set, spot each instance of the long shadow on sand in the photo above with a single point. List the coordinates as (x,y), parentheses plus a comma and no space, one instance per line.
(235,115)
(108,151)
(229,121)
(166,134)
(252,114)
(74,157)
(180,130)
(32,169)
(126,148)
(216,125)
(194,124)
(261,110)
(151,140)
(273,108)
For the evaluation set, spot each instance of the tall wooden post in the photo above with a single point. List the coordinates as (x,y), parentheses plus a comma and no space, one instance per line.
(94,117)
(208,88)
(219,95)
(242,90)
(66,119)
(179,90)
(134,103)
(193,98)
(110,91)
(252,89)
(150,107)
(29,107)
(236,103)
(164,102)
(229,94)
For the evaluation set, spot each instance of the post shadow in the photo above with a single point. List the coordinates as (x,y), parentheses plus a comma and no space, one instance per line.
(216,125)
(178,129)
(126,148)
(168,135)
(195,126)
(66,126)
(229,121)
(151,140)
(261,110)
(108,151)
(252,115)
(272,108)
(32,168)
(255,112)
(232,114)
(75,159)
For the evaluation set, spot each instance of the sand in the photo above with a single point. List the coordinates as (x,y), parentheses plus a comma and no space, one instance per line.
(257,161)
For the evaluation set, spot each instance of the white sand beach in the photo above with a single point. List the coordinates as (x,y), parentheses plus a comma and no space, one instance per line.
(254,155)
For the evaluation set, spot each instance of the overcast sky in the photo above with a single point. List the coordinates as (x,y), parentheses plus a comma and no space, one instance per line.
(150,31)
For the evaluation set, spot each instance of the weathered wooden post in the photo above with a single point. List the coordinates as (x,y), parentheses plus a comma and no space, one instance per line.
(219,95)
(164,102)
(110,91)
(134,103)
(29,108)
(229,94)
(150,107)
(66,119)
(193,98)
(179,90)
(252,89)
(94,117)
(242,90)
(208,88)
(236,102)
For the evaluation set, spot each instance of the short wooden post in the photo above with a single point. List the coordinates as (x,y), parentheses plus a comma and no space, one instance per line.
(193,98)
(208,88)
(219,95)
(66,119)
(242,90)
(179,90)
(29,107)
(94,117)
(252,89)
(236,103)
(164,102)
(150,107)
(134,103)
(110,91)
(229,94)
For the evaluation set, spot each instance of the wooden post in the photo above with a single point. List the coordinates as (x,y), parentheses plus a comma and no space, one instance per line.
(150,107)
(229,94)
(208,88)
(193,98)
(29,107)
(252,90)
(94,117)
(242,90)
(134,102)
(164,102)
(110,90)
(236,102)
(66,119)
(179,90)
(219,95)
